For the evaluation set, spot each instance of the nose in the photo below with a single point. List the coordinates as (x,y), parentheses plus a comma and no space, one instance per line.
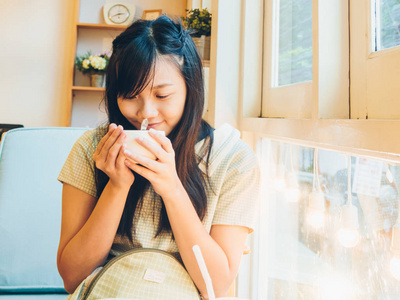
(148,109)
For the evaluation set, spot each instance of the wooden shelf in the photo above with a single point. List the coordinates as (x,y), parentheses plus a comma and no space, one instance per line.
(88,89)
(101,26)
(206,63)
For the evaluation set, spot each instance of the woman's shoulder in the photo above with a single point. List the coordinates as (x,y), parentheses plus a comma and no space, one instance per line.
(91,137)
(226,135)
(229,150)
(228,143)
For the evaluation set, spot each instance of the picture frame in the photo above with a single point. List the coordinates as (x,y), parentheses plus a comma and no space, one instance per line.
(151,14)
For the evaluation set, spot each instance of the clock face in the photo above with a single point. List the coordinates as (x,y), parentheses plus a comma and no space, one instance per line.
(118,13)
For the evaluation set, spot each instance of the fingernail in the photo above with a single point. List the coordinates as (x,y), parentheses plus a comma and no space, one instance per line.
(152,130)
(127,152)
(113,125)
(140,139)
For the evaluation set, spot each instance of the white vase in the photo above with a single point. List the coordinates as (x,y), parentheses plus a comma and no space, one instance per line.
(97,80)
(203,46)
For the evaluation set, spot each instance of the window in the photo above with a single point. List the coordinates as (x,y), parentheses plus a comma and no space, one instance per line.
(386,24)
(288,59)
(294,44)
(315,248)
(374,59)
(350,81)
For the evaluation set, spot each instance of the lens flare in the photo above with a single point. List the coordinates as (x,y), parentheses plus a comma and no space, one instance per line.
(349,238)
(395,267)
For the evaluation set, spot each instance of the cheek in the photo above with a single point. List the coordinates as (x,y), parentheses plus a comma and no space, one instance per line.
(171,112)
(175,110)
(127,108)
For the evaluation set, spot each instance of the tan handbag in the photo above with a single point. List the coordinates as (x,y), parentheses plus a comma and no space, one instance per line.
(140,274)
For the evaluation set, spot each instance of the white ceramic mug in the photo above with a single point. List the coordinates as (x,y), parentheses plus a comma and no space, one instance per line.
(133,146)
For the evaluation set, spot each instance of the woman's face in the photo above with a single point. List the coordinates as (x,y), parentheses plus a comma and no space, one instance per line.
(161,102)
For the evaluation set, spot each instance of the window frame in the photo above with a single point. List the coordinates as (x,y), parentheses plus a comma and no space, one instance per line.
(371,71)
(286,101)
(370,137)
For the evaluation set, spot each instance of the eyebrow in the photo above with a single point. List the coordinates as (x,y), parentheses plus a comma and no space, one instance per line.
(162,85)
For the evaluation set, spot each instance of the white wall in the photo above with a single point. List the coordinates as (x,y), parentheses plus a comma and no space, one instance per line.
(224,89)
(33,43)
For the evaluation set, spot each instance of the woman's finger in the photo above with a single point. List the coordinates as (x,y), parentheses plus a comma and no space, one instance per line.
(100,146)
(115,149)
(142,160)
(111,140)
(162,140)
(153,147)
(121,157)
(142,171)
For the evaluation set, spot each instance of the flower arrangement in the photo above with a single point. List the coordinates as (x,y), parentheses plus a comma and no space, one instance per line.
(89,64)
(199,21)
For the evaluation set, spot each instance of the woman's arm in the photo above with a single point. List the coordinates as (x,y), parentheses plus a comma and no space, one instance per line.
(222,248)
(87,231)
(88,227)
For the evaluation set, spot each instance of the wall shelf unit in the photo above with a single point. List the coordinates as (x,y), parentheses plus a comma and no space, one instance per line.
(88,89)
(90,33)
(100,26)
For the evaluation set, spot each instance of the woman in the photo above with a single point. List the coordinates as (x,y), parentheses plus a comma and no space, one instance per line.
(202,189)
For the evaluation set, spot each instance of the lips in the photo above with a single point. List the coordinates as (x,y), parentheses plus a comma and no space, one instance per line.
(153,125)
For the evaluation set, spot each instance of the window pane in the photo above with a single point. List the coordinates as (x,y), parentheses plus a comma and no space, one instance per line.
(387,24)
(295,42)
(320,246)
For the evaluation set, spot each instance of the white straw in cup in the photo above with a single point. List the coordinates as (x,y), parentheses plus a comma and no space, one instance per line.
(144,124)
(204,271)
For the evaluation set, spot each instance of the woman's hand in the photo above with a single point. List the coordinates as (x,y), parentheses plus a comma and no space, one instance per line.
(109,157)
(161,172)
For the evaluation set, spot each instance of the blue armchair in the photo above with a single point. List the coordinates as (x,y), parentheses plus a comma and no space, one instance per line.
(30,211)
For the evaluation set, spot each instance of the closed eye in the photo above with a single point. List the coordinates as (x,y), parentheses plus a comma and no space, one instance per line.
(162,96)
(131,98)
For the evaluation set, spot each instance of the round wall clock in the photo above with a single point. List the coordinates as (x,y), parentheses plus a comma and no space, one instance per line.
(118,13)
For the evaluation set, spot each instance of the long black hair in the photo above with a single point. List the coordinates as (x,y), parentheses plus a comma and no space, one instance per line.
(130,70)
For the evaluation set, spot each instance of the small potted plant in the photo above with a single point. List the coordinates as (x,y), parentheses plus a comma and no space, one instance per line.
(199,23)
(93,65)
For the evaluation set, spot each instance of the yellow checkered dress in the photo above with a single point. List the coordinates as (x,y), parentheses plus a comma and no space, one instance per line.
(232,199)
